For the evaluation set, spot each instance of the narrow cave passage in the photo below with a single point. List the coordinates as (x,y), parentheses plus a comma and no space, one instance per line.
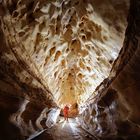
(83,54)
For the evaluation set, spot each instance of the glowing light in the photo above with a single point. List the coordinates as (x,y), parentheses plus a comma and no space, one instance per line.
(63,124)
(52,117)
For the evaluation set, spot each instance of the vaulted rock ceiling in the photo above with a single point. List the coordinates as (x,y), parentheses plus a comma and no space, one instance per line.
(57,52)
(70,45)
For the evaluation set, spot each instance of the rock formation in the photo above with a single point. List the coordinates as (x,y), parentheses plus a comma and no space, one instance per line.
(114,113)
(59,52)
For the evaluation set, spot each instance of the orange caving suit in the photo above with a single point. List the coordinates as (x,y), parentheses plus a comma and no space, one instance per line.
(65,112)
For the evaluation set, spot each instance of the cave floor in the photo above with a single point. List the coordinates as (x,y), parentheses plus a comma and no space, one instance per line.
(64,130)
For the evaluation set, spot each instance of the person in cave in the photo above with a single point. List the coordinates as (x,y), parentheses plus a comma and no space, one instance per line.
(66,112)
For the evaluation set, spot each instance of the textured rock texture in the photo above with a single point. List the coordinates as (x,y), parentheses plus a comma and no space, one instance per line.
(22,95)
(56,52)
(115,113)
(69,45)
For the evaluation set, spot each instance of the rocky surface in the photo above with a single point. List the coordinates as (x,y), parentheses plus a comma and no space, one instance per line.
(115,113)
(64,52)
(69,45)
(23,96)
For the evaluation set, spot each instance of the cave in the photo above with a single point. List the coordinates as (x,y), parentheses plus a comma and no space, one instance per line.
(81,53)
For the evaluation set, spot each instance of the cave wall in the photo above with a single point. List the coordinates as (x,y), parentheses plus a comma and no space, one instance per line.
(115,113)
(23,96)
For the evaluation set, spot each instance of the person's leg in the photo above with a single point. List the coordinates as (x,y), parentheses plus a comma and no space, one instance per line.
(67,116)
(64,115)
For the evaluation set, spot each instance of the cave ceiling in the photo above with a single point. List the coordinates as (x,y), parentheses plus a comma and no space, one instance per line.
(71,43)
